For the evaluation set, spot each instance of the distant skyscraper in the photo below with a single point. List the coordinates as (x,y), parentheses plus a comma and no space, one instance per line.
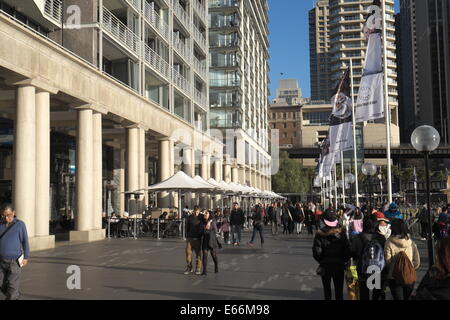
(425,65)
(319,45)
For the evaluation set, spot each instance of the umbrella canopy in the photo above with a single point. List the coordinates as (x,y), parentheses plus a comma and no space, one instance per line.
(216,184)
(180,181)
(203,181)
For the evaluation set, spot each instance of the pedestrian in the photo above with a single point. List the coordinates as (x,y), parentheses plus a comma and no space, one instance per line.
(423,220)
(317,217)
(402,259)
(356,224)
(393,212)
(193,241)
(309,219)
(225,228)
(331,250)
(209,242)
(285,218)
(440,227)
(299,217)
(14,252)
(276,222)
(435,285)
(367,248)
(237,220)
(257,225)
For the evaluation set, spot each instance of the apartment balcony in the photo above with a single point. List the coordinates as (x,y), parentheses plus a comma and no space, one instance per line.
(225,82)
(200,99)
(135,4)
(119,32)
(200,69)
(181,15)
(223,43)
(180,82)
(182,49)
(220,4)
(53,10)
(156,63)
(201,10)
(200,39)
(154,20)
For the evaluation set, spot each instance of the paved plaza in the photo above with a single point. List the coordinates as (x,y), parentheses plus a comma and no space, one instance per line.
(153,269)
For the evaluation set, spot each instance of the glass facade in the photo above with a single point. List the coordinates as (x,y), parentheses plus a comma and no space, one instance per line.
(318,118)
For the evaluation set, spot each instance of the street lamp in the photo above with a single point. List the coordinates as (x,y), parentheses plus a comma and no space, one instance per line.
(350,179)
(369,169)
(341,184)
(426,139)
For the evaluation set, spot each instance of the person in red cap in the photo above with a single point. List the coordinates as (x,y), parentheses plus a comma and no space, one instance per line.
(384,228)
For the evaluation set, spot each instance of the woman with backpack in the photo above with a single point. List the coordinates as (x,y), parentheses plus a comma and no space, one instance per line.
(402,260)
(331,251)
(436,283)
(367,248)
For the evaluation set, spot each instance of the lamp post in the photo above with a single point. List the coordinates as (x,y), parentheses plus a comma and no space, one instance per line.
(341,184)
(426,139)
(369,169)
(350,179)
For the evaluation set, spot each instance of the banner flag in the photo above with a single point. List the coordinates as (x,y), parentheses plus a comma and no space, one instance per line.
(370,101)
(341,122)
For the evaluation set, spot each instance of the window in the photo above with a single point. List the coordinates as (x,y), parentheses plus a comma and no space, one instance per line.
(285,125)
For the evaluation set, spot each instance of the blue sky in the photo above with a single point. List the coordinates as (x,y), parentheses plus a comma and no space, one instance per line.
(289,42)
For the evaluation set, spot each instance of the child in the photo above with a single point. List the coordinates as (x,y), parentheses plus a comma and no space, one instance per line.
(225,228)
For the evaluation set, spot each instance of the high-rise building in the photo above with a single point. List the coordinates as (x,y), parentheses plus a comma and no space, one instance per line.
(425,65)
(238,40)
(345,21)
(319,46)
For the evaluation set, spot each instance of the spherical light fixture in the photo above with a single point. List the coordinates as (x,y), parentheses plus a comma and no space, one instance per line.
(425,139)
(369,169)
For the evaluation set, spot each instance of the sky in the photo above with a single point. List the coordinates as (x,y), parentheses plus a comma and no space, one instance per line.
(289,42)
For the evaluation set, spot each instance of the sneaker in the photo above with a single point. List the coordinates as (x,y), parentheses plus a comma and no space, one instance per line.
(250,244)
(188,271)
(235,244)
(198,273)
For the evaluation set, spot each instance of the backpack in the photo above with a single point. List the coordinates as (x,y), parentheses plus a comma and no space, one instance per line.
(373,255)
(404,272)
(443,232)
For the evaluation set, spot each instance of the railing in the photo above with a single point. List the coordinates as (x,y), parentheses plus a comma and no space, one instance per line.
(223,3)
(135,4)
(53,9)
(200,68)
(181,48)
(156,21)
(180,81)
(156,62)
(200,99)
(181,14)
(198,36)
(120,32)
(201,11)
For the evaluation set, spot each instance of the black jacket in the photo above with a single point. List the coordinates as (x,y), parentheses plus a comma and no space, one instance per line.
(331,247)
(299,216)
(433,289)
(209,240)
(237,217)
(194,226)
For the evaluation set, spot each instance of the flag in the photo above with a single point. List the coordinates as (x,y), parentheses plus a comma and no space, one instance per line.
(370,101)
(327,158)
(415,178)
(341,119)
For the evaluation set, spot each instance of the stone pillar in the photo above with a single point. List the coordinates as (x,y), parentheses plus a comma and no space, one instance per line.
(188,167)
(205,170)
(132,165)
(234,174)
(173,195)
(97,170)
(227,170)
(164,170)
(24,191)
(241,174)
(84,179)
(122,182)
(218,177)
(43,167)
(142,163)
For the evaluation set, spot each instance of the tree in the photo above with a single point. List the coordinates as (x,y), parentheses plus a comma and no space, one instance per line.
(291,176)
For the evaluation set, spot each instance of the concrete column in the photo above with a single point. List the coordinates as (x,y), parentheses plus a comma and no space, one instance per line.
(132,165)
(122,182)
(242,174)
(164,170)
(97,170)
(84,179)
(205,170)
(142,162)
(173,195)
(43,165)
(234,174)
(227,170)
(188,167)
(25,157)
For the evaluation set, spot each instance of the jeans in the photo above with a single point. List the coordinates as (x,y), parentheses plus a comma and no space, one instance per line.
(226,236)
(424,230)
(337,274)
(400,292)
(193,245)
(257,227)
(10,278)
(205,260)
(274,228)
(298,227)
(236,231)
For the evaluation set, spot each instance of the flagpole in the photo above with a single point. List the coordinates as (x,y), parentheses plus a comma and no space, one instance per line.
(387,108)
(335,187)
(354,135)
(343,177)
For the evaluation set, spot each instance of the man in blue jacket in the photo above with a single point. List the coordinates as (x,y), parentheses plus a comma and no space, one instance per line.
(13,243)
(393,212)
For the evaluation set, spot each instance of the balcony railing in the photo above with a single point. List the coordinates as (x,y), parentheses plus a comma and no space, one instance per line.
(135,4)
(223,3)
(120,32)
(199,38)
(200,99)
(156,62)
(201,10)
(180,81)
(181,48)
(156,21)
(200,67)
(53,9)
(181,14)
(222,43)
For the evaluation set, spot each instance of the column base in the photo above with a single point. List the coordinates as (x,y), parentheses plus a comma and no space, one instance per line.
(41,243)
(88,236)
